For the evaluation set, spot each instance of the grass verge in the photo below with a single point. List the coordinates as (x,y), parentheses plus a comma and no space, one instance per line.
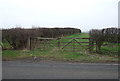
(109,53)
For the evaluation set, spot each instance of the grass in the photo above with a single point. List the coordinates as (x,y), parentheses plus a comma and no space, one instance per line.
(58,55)
(109,54)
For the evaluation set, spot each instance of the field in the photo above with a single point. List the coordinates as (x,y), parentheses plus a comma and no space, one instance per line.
(109,53)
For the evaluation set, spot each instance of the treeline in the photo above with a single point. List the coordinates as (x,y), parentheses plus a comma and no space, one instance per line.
(111,35)
(18,37)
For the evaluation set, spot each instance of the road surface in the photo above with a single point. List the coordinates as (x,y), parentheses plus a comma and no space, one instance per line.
(58,70)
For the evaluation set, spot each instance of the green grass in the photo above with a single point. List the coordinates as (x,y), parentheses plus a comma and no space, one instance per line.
(80,46)
(108,53)
(79,35)
(5,45)
(57,55)
(13,54)
(111,49)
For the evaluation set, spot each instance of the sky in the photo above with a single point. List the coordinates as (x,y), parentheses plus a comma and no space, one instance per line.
(82,14)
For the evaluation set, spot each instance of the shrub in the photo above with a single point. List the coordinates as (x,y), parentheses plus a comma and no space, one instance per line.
(111,35)
(18,37)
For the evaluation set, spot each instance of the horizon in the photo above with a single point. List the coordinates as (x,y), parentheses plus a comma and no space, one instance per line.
(57,27)
(83,14)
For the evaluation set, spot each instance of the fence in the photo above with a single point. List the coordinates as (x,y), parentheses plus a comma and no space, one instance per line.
(66,44)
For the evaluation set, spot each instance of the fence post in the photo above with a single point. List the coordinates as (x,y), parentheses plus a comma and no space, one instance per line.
(73,45)
(91,45)
(59,43)
(29,43)
(44,42)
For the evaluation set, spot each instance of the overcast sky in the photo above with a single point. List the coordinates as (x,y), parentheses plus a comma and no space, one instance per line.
(82,14)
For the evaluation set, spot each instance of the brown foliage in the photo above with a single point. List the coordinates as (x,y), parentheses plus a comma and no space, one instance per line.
(18,37)
(105,35)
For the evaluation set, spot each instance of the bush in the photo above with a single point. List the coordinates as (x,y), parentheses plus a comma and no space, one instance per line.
(18,37)
(111,35)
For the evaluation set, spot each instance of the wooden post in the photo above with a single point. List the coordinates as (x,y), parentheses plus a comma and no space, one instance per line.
(98,47)
(73,45)
(59,43)
(29,43)
(44,43)
(91,45)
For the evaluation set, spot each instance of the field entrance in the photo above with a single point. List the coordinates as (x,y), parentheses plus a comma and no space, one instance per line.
(64,44)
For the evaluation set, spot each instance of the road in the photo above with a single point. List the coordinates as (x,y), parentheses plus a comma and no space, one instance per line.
(58,70)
